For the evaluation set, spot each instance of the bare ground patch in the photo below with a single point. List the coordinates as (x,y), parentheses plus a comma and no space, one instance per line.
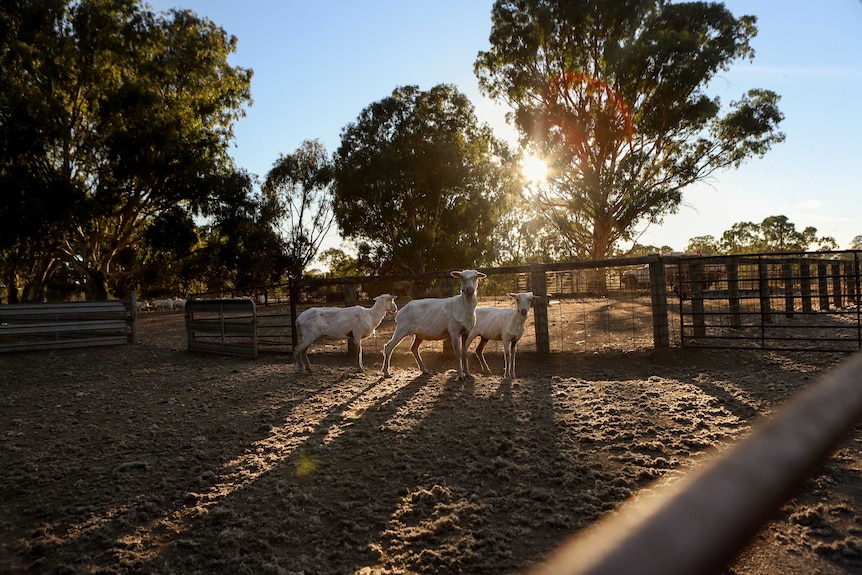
(149,459)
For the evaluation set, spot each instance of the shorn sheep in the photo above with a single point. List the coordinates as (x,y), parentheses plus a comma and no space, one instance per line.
(503,324)
(436,319)
(354,322)
(167,304)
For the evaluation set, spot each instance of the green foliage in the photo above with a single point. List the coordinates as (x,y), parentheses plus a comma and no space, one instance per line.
(299,189)
(641,250)
(703,245)
(773,234)
(419,184)
(613,94)
(521,237)
(241,248)
(340,264)
(110,115)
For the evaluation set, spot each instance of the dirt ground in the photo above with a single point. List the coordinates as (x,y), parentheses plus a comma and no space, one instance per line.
(149,459)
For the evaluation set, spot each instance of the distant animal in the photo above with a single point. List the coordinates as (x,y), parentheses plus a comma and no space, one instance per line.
(354,322)
(503,324)
(436,319)
(167,304)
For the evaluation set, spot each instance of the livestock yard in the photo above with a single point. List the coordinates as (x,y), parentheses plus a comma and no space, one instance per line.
(147,458)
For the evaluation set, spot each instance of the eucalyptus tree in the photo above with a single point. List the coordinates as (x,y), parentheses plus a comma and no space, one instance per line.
(614,95)
(299,189)
(705,245)
(125,112)
(773,234)
(420,184)
(239,247)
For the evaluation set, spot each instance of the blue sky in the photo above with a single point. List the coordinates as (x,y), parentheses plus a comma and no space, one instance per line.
(318,64)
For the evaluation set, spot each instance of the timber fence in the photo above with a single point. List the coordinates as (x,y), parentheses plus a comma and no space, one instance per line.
(805,301)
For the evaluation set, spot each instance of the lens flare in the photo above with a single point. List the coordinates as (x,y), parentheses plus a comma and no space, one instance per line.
(534,168)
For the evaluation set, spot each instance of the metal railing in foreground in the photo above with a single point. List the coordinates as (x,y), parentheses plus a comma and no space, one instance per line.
(700,524)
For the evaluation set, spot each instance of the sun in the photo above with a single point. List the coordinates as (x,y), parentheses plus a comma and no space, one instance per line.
(534,168)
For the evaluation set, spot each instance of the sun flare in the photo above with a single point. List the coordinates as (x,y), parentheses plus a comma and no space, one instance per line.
(534,169)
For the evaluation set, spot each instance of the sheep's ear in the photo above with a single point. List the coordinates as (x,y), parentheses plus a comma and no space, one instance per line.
(455,274)
(512,295)
(481,275)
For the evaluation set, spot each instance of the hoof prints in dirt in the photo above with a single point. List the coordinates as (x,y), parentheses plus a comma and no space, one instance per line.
(145,459)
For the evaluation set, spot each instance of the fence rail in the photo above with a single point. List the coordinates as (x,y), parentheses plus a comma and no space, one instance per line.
(805,301)
(700,524)
(801,302)
(227,326)
(43,326)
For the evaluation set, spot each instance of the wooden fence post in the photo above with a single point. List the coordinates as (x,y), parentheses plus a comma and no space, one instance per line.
(837,298)
(658,298)
(697,311)
(805,285)
(856,279)
(822,286)
(540,311)
(765,304)
(850,278)
(733,293)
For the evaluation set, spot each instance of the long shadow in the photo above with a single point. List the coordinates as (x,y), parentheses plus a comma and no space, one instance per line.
(102,470)
(477,474)
(232,469)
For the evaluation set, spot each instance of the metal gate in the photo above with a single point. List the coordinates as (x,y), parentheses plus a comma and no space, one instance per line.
(801,302)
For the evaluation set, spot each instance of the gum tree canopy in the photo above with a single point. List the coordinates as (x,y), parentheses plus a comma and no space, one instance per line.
(613,93)
(420,184)
(299,189)
(111,116)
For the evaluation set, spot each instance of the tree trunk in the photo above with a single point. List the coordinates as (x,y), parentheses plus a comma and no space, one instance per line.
(12,287)
(34,291)
(97,285)
(600,250)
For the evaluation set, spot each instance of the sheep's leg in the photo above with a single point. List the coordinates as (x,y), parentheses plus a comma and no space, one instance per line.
(512,359)
(303,356)
(359,355)
(358,341)
(415,349)
(389,348)
(509,359)
(300,355)
(480,353)
(505,359)
(456,345)
(463,357)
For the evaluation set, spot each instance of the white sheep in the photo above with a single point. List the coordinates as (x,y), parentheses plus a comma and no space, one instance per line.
(354,322)
(436,319)
(167,304)
(503,324)
(180,304)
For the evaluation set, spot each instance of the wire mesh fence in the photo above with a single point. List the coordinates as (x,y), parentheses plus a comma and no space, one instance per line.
(787,301)
(792,302)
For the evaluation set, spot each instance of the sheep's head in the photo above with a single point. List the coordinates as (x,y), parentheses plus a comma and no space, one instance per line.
(469,280)
(390,302)
(523,302)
